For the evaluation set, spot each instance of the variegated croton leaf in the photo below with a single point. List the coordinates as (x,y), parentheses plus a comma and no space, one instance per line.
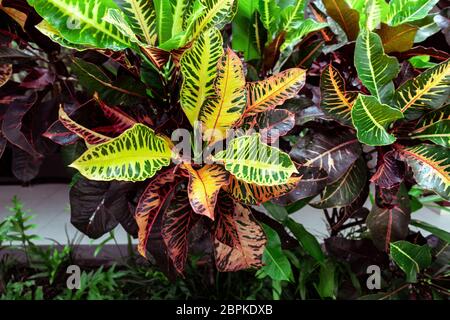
(153,202)
(137,154)
(204,186)
(253,161)
(243,239)
(435,127)
(336,101)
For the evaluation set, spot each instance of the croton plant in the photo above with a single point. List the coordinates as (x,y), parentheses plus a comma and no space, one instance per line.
(288,102)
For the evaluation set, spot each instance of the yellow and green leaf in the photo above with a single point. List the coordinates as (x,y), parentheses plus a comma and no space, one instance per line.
(252,161)
(431,167)
(137,154)
(375,69)
(164,20)
(253,194)
(267,94)
(336,101)
(219,113)
(199,70)
(47,29)
(204,186)
(216,13)
(82,22)
(142,18)
(428,90)
(371,119)
(250,243)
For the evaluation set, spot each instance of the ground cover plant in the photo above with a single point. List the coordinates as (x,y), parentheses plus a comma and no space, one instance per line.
(181,117)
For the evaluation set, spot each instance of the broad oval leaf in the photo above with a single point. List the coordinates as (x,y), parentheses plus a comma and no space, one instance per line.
(343,14)
(397,39)
(274,124)
(375,69)
(334,152)
(428,90)
(135,155)
(253,194)
(403,11)
(82,22)
(371,118)
(411,258)
(274,91)
(345,190)
(252,241)
(204,186)
(218,114)
(336,101)
(387,225)
(198,67)
(431,167)
(252,161)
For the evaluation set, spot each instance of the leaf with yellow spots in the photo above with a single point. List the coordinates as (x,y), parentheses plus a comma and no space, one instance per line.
(219,113)
(137,154)
(198,67)
(274,91)
(431,167)
(204,186)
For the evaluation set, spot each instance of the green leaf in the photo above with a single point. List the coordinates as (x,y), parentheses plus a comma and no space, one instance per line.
(326,287)
(293,16)
(371,118)
(375,12)
(303,28)
(252,161)
(51,32)
(164,20)
(276,264)
(306,239)
(246,34)
(421,62)
(179,12)
(198,67)
(216,13)
(268,11)
(438,132)
(403,11)
(375,69)
(441,234)
(428,90)
(142,18)
(137,154)
(410,258)
(431,167)
(82,22)
(276,211)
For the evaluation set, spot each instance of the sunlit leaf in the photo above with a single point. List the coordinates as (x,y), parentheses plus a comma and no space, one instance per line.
(403,11)
(371,119)
(135,155)
(219,113)
(198,67)
(252,161)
